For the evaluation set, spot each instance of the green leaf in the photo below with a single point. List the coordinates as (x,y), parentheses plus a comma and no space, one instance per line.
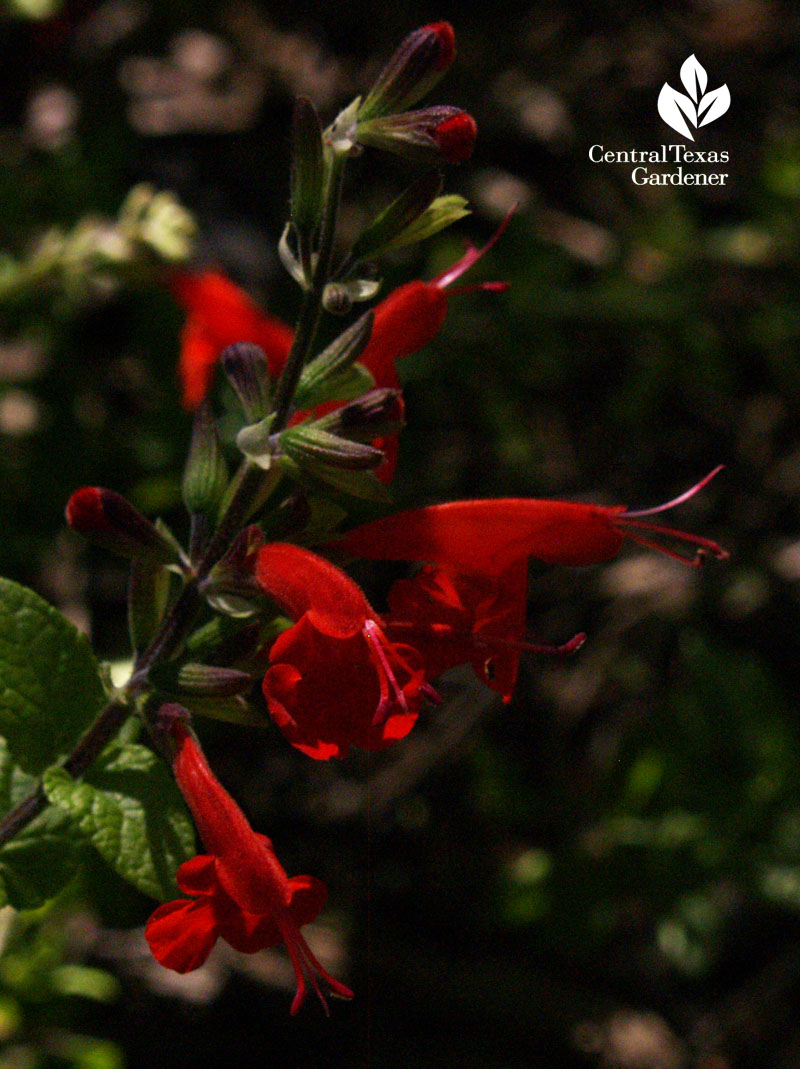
(50,688)
(442,213)
(43,857)
(130,809)
(398,217)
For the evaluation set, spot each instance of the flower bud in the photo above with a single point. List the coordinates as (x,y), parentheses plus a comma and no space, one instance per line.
(375,415)
(205,478)
(431,135)
(321,379)
(204,680)
(308,446)
(106,518)
(336,299)
(247,370)
(416,66)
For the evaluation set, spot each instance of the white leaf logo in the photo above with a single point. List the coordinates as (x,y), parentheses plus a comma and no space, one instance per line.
(697,108)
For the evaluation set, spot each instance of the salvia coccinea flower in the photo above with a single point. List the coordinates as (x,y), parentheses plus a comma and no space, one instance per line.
(239,891)
(457,619)
(110,520)
(488,537)
(221,314)
(335,679)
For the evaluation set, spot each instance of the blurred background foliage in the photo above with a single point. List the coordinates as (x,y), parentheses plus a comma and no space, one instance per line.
(606,872)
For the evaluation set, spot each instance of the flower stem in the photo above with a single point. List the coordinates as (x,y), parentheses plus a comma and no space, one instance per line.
(249,485)
(312,300)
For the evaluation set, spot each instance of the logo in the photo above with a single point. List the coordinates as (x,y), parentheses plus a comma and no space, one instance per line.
(698,108)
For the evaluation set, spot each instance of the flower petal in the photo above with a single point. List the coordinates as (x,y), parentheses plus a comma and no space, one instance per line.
(182,934)
(197,876)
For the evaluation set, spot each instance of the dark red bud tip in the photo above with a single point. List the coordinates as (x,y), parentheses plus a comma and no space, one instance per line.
(107,518)
(85,512)
(445,35)
(456,137)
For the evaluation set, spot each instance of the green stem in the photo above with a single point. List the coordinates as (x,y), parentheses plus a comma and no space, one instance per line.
(312,300)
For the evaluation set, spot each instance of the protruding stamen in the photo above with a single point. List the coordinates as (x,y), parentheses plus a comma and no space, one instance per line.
(307,969)
(390,689)
(471,256)
(631,523)
(433,695)
(679,500)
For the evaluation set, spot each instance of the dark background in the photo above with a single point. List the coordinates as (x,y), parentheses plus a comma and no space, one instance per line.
(605,872)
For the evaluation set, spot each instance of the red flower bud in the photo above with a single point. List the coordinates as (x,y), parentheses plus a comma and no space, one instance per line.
(430,135)
(456,137)
(411,73)
(446,39)
(111,521)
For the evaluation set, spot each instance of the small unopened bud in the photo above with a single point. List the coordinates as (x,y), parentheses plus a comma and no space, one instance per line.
(375,415)
(230,587)
(205,478)
(247,370)
(414,69)
(308,446)
(211,681)
(321,379)
(336,299)
(109,520)
(431,135)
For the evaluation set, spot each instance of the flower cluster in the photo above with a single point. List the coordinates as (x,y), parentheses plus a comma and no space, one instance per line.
(289,635)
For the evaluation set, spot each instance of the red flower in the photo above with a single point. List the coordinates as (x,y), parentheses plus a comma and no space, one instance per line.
(470,607)
(489,537)
(458,619)
(221,314)
(412,315)
(242,892)
(336,680)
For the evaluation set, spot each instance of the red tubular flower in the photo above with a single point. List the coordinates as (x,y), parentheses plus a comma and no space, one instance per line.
(412,315)
(477,620)
(240,890)
(335,679)
(488,537)
(220,314)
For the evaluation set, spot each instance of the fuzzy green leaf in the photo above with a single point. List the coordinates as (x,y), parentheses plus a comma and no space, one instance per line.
(50,688)
(129,807)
